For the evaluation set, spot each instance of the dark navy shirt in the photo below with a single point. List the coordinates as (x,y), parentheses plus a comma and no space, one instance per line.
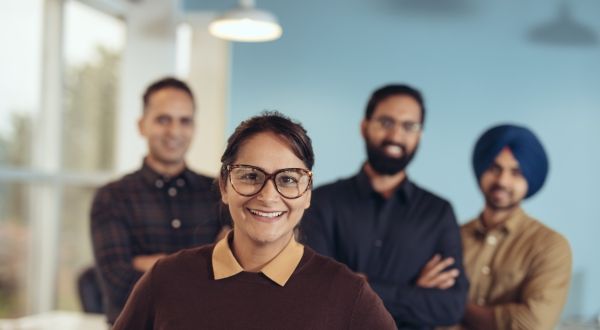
(390,241)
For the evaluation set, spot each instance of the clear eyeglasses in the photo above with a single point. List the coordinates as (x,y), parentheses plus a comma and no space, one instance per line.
(248,180)
(388,124)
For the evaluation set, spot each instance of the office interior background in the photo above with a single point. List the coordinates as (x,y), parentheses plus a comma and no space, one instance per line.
(73,72)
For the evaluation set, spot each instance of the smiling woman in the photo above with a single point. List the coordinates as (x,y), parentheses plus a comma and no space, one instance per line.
(259,276)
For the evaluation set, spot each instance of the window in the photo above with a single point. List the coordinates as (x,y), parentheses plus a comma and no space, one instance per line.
(93,42)
(58,107)
(20,27)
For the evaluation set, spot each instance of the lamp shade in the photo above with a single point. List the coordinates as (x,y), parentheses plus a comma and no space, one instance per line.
(246,23)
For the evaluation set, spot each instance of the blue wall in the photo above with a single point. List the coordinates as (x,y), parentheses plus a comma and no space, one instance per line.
(477,66)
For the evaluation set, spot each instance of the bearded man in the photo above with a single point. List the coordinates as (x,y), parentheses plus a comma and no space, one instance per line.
(402,238)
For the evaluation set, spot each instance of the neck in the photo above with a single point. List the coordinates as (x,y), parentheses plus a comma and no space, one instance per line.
(165,169)
(252,256)
(492,218)
(384,184)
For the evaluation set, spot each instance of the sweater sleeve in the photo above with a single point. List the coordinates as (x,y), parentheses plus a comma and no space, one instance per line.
(369,312)
(139,311)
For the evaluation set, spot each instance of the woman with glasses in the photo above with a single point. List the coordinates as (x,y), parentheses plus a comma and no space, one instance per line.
(259,276)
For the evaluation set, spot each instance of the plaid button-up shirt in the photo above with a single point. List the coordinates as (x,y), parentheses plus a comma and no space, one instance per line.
(144,213)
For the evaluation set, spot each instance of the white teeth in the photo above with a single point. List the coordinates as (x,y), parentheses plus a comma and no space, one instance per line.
(393,150)
(266,214)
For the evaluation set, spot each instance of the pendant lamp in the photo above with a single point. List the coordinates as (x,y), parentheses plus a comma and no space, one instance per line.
(246,23)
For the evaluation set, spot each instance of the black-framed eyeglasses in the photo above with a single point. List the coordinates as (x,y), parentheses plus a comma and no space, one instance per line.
(386,123)
(248,180)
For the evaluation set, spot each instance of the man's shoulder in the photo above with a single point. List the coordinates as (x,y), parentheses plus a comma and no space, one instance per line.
(120,186)
(337,183)
(542,236)
(469,224)
(427,195)
(334,188)
(200,180)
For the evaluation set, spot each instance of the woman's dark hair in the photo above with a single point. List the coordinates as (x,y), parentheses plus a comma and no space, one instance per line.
(393,90)
(269,121)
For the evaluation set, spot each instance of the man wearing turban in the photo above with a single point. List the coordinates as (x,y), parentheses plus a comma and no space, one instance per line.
(519,269)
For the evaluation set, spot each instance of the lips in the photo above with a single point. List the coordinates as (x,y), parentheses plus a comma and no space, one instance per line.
(499,192)
(268,216)
(171,144)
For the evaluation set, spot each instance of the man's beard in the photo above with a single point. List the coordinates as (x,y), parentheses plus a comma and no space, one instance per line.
(499,207)
(384,164)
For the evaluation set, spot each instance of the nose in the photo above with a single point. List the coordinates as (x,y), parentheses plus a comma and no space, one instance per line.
(396,134)
(173,128)
(268,192)
(504,178)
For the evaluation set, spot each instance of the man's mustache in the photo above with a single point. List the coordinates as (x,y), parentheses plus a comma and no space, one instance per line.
(496,187)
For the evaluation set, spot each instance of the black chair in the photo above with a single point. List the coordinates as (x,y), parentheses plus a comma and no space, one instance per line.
(90,294)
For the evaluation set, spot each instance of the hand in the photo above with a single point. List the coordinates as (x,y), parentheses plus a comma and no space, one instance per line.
(144,263)
(433,275)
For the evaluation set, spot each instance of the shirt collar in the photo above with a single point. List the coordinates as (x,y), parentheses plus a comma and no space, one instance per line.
(512,224)
(509,226)
(405,190)
(158,180)
(279,270)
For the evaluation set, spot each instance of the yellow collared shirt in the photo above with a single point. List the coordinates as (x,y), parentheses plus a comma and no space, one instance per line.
(279,270)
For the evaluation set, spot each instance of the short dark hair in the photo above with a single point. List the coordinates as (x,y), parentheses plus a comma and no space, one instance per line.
(390,90)
(167,82)
(269,121)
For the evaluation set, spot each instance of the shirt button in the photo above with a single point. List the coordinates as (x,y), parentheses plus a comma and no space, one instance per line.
(491,240)
(176,223)
(485,270)
(172,192)
(480,301)
(159,183)
(378,243)
(180,183)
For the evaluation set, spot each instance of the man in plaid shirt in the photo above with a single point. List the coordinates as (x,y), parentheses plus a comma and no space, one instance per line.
(159,209)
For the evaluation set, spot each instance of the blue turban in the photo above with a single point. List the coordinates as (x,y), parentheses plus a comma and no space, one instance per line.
(525,147)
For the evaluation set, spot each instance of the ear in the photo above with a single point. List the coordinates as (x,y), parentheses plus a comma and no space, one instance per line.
(308,196)
(223,191)
(141,125)
(363,128)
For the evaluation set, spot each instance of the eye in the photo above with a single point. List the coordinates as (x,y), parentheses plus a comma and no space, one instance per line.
(516,172)
(248,176)
(163,120)
(288,179)
(186,121)
(411,126)
(495,169)
(386,122)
